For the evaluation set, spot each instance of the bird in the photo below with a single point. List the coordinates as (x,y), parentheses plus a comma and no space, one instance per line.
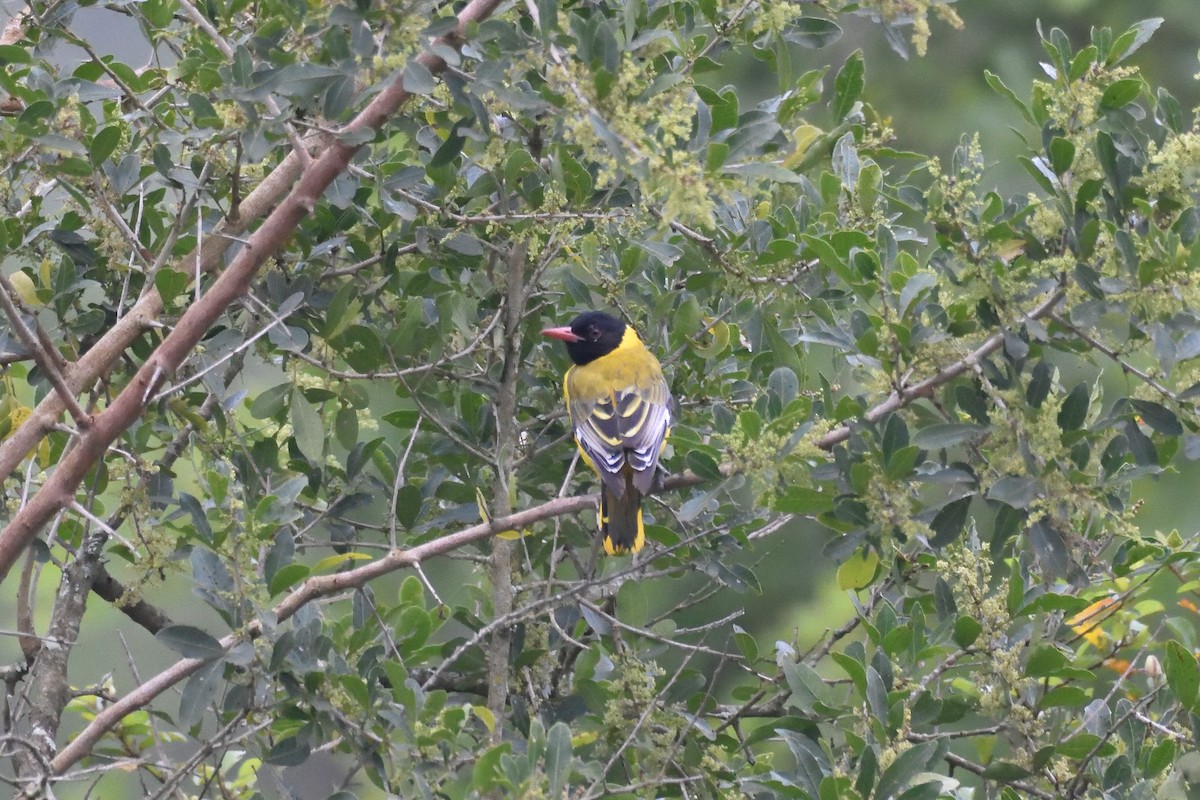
(620,409)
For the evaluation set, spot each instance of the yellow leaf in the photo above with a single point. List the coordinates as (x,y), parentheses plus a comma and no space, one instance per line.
(1009,249)
(486,717)
(583,739)
(510,535)
(18,416)
(482,503)
(1087,622)
(329,563)
(858,570)
(803,137)
(720,340)
(23,284)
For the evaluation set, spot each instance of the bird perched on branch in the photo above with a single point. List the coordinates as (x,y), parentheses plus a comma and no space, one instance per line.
(619,405)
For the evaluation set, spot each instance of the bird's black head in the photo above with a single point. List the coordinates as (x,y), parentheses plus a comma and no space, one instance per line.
(590,336)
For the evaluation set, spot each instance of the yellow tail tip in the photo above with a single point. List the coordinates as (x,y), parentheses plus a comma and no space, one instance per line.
(615,548)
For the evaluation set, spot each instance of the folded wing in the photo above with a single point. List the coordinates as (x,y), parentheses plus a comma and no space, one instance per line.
(622,426)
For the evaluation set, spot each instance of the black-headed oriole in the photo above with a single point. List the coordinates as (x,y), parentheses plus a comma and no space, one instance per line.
(619,405)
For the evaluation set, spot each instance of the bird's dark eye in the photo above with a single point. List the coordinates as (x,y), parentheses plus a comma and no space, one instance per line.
(594,333)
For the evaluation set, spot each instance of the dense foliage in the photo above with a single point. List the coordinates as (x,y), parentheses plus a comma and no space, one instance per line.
(272,302)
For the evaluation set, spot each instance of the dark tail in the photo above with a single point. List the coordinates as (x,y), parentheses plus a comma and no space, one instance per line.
(621,521)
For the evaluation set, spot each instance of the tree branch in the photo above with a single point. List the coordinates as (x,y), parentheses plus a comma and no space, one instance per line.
(232,284)
(500,568)
(310,590)
(49,691)
(907,394)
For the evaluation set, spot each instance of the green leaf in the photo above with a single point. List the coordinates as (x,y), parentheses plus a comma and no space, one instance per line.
(1183,676)
(783,383)
(12,54)
(1121,93)
(360,455)
(750,423)
(803,500)
(859,570)
(1015,490)
(408,505)
(1065,697)
(1082,62)
(345,427)
(1169,110)
(667,254)
(1000,88)
(1131,40)
(895,436)
(170,284)
(418,79)
(287,577)
(902,462)
(877,695)
(104,143)
(813,32)
(723,105)
(848,85)
(704,465)
(307,428)
(806,685)
(1045,662)
(950,521)
(854,668)
(966,631)
(289,752)
(1062,154)
(1005,771)
(486,774)
(558,758)
(199,692)
(1160,757)
(1041,173)
(1051,602)
(190,642)
(947,434)
(907,766)
(746,644)
(1049,548)
(270,402)
(784,353)
(1073,412)
(1158,417)
(1080,745)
